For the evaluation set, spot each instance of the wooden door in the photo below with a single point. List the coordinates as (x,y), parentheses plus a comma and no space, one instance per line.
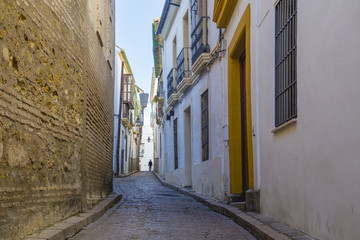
(244,138)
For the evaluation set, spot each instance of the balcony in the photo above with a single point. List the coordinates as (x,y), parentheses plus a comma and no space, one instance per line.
(160,90)
(199,46)
(126,119)
(183,66)
(183,70)
(128,90)
(170,85)
(160,94)
(171,92)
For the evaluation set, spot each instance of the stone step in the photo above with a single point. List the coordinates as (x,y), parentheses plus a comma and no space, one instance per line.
(240,205)
(236,198)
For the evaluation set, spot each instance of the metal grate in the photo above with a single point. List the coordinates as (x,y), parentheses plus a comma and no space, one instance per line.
(183,68)
(205,125)
(175,145)
(160,90)
(170,79)
(285,61)
(199,41)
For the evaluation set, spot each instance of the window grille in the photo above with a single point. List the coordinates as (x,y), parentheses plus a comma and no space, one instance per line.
(175,145)
(285,61)
(205,125)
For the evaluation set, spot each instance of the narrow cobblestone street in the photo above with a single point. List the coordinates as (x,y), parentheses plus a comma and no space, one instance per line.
(149,210)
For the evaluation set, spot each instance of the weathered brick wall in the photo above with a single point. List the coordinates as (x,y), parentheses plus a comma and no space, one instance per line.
(56,91)
(99,62)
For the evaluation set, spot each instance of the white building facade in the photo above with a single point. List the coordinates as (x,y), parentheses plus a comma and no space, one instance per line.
(279,84)
(127,110)
(309,151)
(193,141)
(117,115)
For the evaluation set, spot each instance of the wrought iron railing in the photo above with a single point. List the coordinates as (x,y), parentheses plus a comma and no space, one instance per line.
(160,91)
(199,43)
(183,66)
(170,79)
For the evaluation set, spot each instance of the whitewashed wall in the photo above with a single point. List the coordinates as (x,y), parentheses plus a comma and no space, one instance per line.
(208,177)
(310,170)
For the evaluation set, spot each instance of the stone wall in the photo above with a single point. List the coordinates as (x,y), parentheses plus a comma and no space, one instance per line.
(56,91)
(99,47)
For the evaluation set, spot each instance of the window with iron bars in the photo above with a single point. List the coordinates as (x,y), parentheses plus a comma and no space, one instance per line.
(285,61)
(205,125)
(175,145)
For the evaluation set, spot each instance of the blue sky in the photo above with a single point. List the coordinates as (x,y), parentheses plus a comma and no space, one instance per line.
(133,33)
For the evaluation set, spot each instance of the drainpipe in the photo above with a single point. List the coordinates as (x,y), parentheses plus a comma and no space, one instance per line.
(258,177)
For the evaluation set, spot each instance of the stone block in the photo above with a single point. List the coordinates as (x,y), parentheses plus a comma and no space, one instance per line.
(80,222)
(69,229)
(249,200)
(52,234)
(257,201)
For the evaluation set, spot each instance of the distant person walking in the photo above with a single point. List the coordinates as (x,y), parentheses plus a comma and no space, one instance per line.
(150,165)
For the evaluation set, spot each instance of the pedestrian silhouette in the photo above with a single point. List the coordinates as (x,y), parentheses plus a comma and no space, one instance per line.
(150,165)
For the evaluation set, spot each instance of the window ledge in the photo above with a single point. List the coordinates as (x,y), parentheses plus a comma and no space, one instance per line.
(284,125)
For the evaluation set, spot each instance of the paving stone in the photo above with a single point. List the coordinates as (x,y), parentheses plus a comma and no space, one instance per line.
(149,210)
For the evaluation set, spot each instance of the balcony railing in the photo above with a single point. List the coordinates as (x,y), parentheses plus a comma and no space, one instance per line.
(183,66)
(199,43)
(170,80)
(128,88)
(160,91)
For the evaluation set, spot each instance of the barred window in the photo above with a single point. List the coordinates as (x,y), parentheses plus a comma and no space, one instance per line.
(205,125)
(175,145)
(285,61)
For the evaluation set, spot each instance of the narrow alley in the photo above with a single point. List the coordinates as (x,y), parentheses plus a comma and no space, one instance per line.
(149,210)
(179,119)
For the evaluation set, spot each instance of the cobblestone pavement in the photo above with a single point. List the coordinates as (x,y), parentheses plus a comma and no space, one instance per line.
(149,210)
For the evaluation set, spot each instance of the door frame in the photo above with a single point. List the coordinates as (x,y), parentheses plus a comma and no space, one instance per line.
(239,43)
